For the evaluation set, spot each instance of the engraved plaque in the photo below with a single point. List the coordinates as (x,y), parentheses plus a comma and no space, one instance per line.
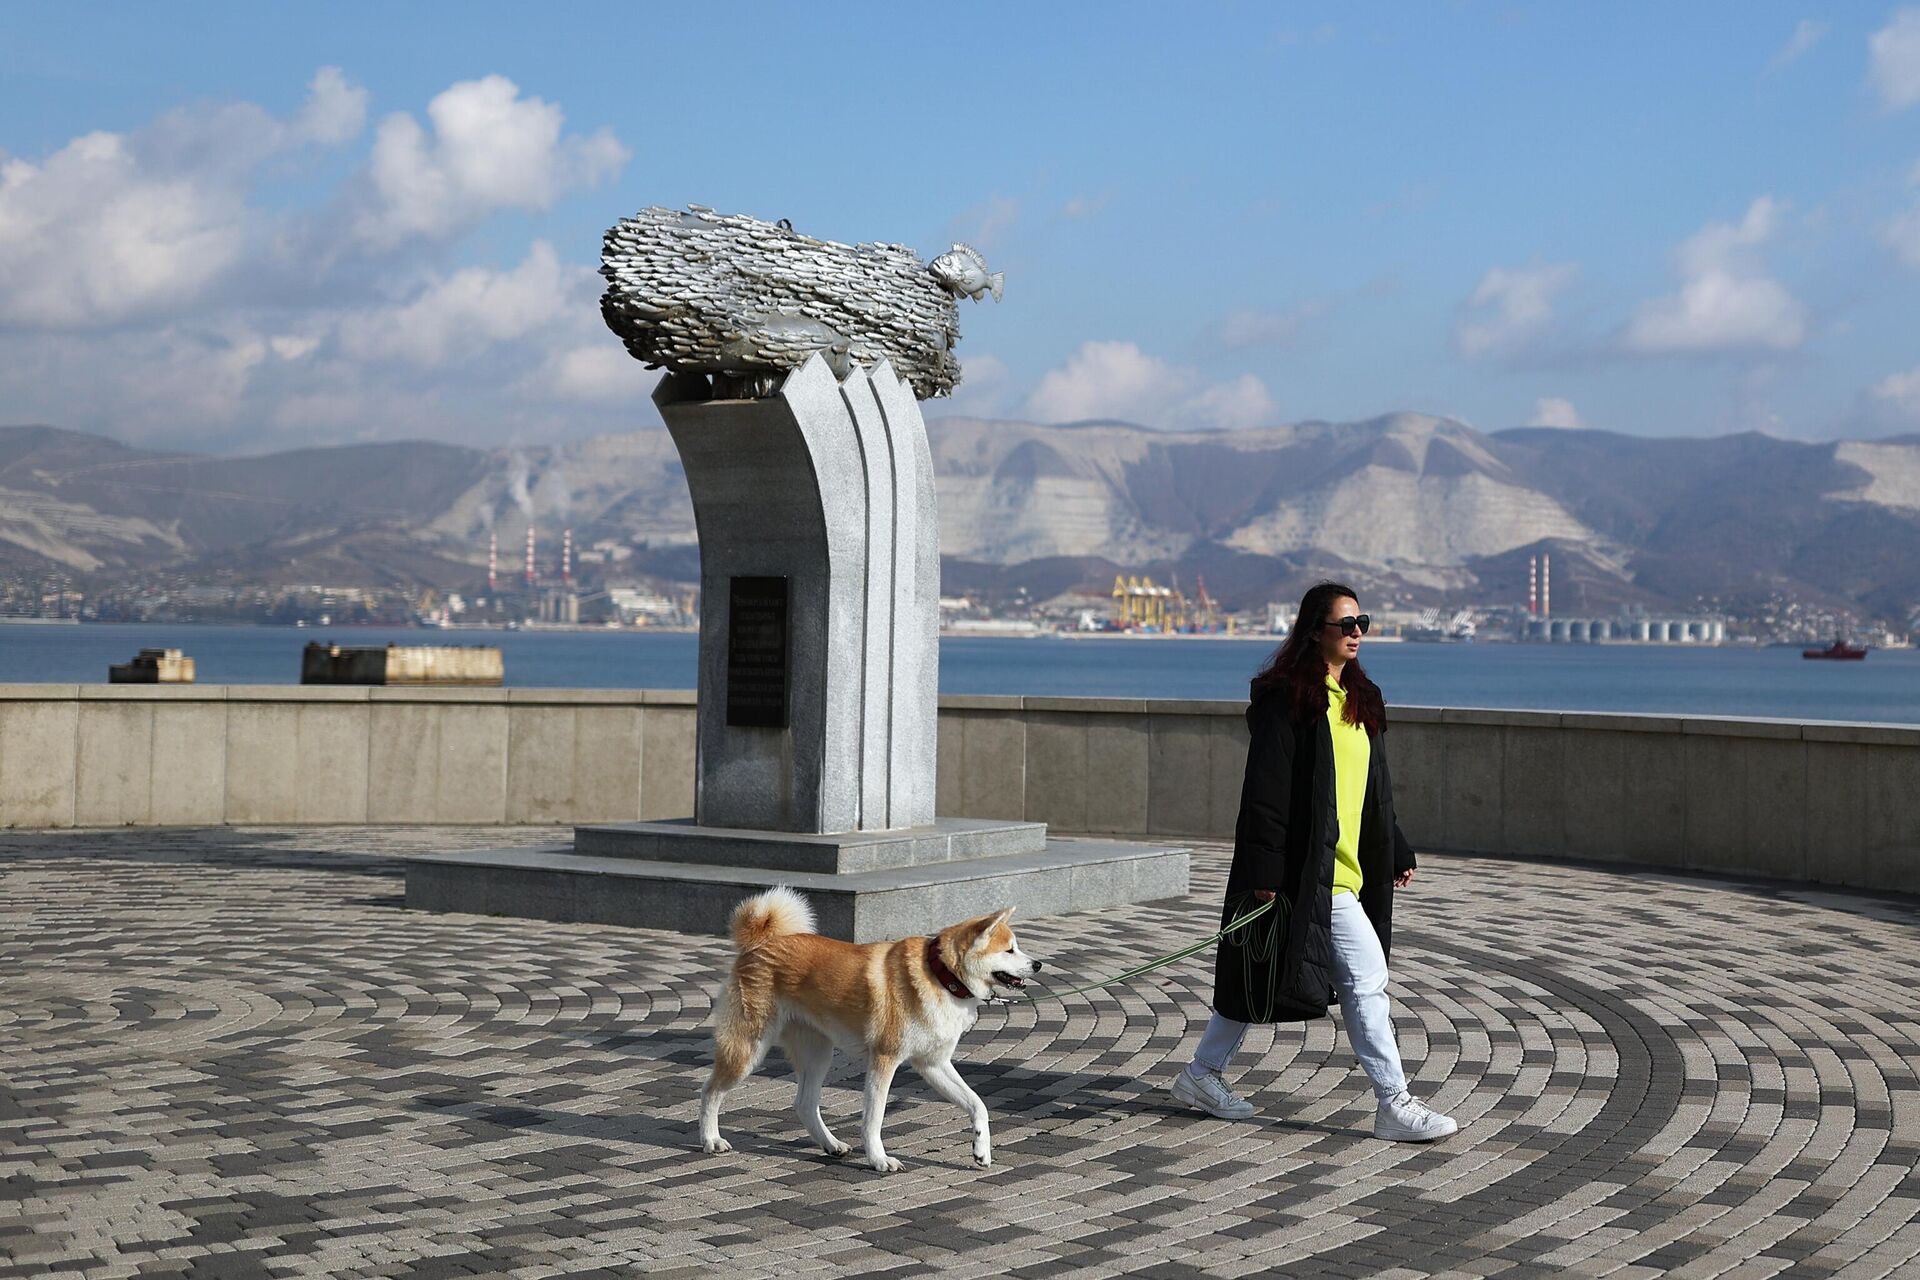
(757,652)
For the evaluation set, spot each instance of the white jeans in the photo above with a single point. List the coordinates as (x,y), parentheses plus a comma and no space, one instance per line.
(1360,976)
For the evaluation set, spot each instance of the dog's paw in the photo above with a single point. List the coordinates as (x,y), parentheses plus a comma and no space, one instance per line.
(835,1147)
(983,1159)
(886,1164)
(715,1146)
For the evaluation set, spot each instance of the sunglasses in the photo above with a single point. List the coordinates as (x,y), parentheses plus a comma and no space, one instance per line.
(1350,625)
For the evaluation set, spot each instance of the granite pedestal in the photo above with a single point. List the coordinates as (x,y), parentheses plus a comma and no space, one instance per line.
(864,886)
(819,657)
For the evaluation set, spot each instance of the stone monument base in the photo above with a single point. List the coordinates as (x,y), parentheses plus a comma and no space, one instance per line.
(865,886)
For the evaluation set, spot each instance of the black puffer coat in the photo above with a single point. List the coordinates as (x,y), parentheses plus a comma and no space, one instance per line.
(1280,967)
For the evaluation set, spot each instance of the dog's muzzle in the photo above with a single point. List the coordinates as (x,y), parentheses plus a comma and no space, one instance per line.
(1003,979)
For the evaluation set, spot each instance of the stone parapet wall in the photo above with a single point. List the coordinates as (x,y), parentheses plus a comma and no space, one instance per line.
(114,755)
(1831,803)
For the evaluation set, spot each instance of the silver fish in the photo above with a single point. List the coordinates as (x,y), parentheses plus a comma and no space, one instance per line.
(795,334)
(963,271)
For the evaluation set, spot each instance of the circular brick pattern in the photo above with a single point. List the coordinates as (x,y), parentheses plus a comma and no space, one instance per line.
(234,1053)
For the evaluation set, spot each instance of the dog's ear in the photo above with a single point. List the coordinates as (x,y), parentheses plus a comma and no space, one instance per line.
(985,925)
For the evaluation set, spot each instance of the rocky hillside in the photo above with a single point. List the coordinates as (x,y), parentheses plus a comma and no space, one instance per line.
(1420,505)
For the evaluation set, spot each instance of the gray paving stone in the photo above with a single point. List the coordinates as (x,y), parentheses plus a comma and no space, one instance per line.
(233,1052)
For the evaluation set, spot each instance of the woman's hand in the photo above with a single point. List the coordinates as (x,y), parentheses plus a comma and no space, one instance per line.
(1404,879)
(1263,895)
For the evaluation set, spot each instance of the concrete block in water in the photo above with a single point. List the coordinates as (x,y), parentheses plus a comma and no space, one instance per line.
(153,666)
(397,664)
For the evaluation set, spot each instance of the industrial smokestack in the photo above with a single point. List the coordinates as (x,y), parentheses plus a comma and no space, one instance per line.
(532,574)
(493,560)
(566,556)
(1533,585)
(1546,586)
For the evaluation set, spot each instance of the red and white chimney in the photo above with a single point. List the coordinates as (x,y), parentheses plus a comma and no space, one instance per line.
(1533,585)
(532,573)
(493,560)
(566,556)
(1546,586)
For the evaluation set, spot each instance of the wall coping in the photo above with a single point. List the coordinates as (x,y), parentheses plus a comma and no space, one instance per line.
(1864,732)
(1839,731)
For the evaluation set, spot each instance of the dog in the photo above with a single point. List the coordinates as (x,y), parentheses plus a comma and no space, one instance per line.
(906,1001)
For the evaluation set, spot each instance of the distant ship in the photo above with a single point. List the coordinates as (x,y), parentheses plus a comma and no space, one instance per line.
(1839,651)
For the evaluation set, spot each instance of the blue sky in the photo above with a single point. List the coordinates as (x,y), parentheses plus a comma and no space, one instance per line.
(264,226)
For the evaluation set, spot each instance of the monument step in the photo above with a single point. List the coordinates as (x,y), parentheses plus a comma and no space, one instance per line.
(558,883)
(680,840)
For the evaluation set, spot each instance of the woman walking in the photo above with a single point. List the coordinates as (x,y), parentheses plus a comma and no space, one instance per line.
(1317,836)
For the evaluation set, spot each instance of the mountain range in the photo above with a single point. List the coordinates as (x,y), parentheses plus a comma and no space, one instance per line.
(1420,508)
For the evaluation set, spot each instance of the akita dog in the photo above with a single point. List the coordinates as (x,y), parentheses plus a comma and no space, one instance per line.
(894,1002)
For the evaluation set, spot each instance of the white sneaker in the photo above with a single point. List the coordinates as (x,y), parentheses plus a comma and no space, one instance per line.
(1407,1119)
(1210,1093)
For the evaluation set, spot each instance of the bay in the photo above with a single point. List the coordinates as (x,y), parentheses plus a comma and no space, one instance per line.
(1730,681)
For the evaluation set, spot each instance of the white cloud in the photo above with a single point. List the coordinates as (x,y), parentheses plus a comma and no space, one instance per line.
(1902,231)
(469,310)
(984,223)
(334,112)
(1806,34)
(1510,309)
(1552,411)
(1242,402)
(1902,234)
(601,372)
(153,289)
(115,227)
(985,384)
(1261,327)
(1726,301)
(489,149)
(95,236)
(1118,380)
(1894,52)
(178,382)
(1085,206)
(1900,392)
(290,346)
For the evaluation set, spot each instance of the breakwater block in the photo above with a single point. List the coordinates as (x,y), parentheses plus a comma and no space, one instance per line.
(402,664)
(865,886)
(153,666)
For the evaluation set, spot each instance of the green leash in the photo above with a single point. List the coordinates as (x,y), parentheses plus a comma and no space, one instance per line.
(1151,965)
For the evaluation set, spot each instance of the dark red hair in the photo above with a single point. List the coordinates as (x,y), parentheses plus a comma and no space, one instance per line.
(1298,673)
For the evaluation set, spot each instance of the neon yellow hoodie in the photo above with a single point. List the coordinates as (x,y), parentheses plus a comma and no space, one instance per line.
(1352,754)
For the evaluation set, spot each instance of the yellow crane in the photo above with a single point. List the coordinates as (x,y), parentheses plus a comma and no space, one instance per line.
(1142,602)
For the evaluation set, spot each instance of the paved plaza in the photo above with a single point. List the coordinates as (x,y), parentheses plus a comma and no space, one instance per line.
(233,1053)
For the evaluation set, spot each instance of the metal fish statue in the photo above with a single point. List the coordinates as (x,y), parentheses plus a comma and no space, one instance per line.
(963,270)
(747,300)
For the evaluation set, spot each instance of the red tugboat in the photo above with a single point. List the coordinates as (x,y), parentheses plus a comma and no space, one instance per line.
(1839,651)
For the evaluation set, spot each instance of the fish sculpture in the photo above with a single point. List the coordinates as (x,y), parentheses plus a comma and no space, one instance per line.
(962,270)
(746,301)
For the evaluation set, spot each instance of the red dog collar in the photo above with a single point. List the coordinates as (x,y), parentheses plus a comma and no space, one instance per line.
(945,976)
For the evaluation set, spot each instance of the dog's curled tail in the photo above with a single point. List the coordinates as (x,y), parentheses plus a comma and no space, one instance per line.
(769,915)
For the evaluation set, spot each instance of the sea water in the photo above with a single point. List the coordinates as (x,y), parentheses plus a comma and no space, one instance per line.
(1666,679)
